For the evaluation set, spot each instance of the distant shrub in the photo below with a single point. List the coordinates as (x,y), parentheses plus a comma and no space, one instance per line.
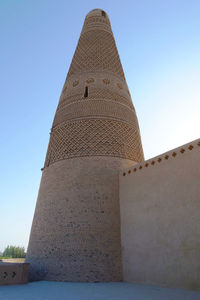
(14,252)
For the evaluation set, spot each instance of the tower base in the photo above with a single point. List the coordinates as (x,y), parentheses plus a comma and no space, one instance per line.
(75,233)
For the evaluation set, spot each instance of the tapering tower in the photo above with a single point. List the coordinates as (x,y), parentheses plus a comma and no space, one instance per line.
(75,234)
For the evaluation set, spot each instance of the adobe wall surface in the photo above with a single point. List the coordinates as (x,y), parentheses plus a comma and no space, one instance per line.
(13,273)
(76,228)
(160,219)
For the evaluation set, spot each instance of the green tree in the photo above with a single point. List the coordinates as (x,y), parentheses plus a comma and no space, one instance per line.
(14,252)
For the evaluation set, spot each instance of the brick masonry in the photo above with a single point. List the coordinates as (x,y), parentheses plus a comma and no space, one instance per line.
(13,273)
(75,233)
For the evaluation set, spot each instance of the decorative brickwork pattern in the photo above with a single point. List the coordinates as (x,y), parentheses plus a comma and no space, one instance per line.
(13,273)
(106,81)
(90,80)
(96,94)
(94,23)
(96,109)
(96,50)
(75,83)
(75,234)
(94,138)
(165,157)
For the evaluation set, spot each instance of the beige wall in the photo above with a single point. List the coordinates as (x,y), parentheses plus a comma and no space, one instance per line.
(13,273)
(160,219)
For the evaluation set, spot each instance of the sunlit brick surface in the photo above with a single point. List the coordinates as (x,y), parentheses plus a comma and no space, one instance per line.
(75,234)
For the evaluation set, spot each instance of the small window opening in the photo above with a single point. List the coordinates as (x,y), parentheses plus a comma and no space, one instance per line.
(86,92)
(103,13)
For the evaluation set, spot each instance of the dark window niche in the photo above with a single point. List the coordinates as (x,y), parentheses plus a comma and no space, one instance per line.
(86,92)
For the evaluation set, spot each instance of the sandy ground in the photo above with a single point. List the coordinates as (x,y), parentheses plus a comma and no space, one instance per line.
(44,290)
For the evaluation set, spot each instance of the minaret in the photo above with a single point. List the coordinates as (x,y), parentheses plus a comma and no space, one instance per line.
(75,234)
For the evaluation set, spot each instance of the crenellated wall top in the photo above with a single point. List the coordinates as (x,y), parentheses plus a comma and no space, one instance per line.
(158,160)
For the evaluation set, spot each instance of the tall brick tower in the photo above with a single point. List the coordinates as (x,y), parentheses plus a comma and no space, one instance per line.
(75,234)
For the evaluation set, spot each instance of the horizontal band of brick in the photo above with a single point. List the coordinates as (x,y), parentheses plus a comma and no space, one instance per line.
(96,108)
(94,137)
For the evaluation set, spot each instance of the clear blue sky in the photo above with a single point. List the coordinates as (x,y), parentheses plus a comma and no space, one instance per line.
(159,46)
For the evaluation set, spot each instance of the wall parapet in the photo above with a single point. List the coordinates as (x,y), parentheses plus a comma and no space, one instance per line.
(160,225)
(13,273)
(166,156)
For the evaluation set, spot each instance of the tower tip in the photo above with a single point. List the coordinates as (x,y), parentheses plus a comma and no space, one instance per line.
(97,19)
(97,12)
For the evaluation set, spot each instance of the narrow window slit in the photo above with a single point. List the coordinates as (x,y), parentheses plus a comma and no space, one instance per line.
(86,92)
(103,13)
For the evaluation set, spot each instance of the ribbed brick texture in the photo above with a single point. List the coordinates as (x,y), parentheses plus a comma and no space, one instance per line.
(75,233)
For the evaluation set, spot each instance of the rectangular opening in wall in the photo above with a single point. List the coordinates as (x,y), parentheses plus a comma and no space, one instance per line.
(86,92)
